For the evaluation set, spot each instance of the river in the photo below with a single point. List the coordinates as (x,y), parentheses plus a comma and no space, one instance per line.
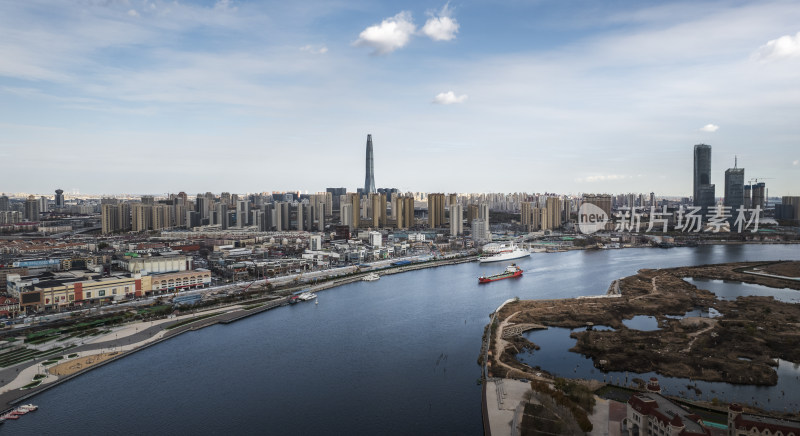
(395,356)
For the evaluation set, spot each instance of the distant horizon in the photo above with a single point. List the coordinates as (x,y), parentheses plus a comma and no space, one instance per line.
(68,195)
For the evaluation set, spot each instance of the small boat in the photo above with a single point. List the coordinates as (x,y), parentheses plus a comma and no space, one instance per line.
(9,416)
(511,271)
(371,277)
(305,296)
(29,407)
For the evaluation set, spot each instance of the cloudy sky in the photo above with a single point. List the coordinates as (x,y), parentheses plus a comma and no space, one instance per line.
(136,96)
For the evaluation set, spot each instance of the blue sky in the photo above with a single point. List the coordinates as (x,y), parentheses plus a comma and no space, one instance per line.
(472,96)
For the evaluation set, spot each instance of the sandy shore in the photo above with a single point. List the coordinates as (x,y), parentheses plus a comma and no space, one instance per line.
(80,363)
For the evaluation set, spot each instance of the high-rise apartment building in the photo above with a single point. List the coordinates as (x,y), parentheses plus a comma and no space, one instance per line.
(141,217)
(378,210)
(115,218)
(480,230)
(4,203)
(369,179)
(734,187)
(456,220)
(355,211)
(32,208)
(552,214)
(404,212)
(222,215)
(408,211)
(603,201)
(347,215)
(484,226)
(161,217)
(704,195)
(435,210)
(300,221)
(336,195)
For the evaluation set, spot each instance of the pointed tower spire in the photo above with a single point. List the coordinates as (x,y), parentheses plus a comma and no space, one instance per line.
(369,180)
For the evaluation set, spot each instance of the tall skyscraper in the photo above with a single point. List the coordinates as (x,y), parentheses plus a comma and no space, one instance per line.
(32,209)
(456,219)
(4,203)
(748,196)
(59,198)
(369,180)
(759,195)
(484,229)
(734,187)
(704,195)
(789,209)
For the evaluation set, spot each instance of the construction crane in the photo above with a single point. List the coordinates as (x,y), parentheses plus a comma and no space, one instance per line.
(756,179)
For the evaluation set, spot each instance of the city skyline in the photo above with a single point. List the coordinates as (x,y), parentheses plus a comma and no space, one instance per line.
(469,97)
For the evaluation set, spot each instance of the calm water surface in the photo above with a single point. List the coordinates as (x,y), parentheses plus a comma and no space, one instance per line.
(726,290)
(396,356)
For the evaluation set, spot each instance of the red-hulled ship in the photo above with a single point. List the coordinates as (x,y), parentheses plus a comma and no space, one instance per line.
(511,271)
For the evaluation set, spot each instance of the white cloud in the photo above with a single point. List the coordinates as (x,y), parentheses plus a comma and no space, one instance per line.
(225,5)
(787,46)
(391,34)
(710,128)
(442,27)
(133,13)
(314,49)
(796,163)
(449,97)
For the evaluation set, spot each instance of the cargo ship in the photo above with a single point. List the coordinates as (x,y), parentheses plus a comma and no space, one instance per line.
(511,271)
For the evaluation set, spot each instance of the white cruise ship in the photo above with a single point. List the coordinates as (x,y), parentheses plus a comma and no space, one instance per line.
(506,253)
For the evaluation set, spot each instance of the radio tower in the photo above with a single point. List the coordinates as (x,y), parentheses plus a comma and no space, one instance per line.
(369,180)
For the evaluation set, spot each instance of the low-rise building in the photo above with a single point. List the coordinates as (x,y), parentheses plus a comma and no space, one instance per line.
(173,282)
(649,413)
(9,307)
(156,264)
(741,424)
(60,293)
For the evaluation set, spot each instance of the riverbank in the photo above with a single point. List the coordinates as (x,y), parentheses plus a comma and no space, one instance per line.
(129,338)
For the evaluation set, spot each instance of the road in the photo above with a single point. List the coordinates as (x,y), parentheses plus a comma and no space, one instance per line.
(307,277)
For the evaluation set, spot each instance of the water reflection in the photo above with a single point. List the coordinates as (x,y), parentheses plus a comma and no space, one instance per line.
(727,290)
(641,322)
